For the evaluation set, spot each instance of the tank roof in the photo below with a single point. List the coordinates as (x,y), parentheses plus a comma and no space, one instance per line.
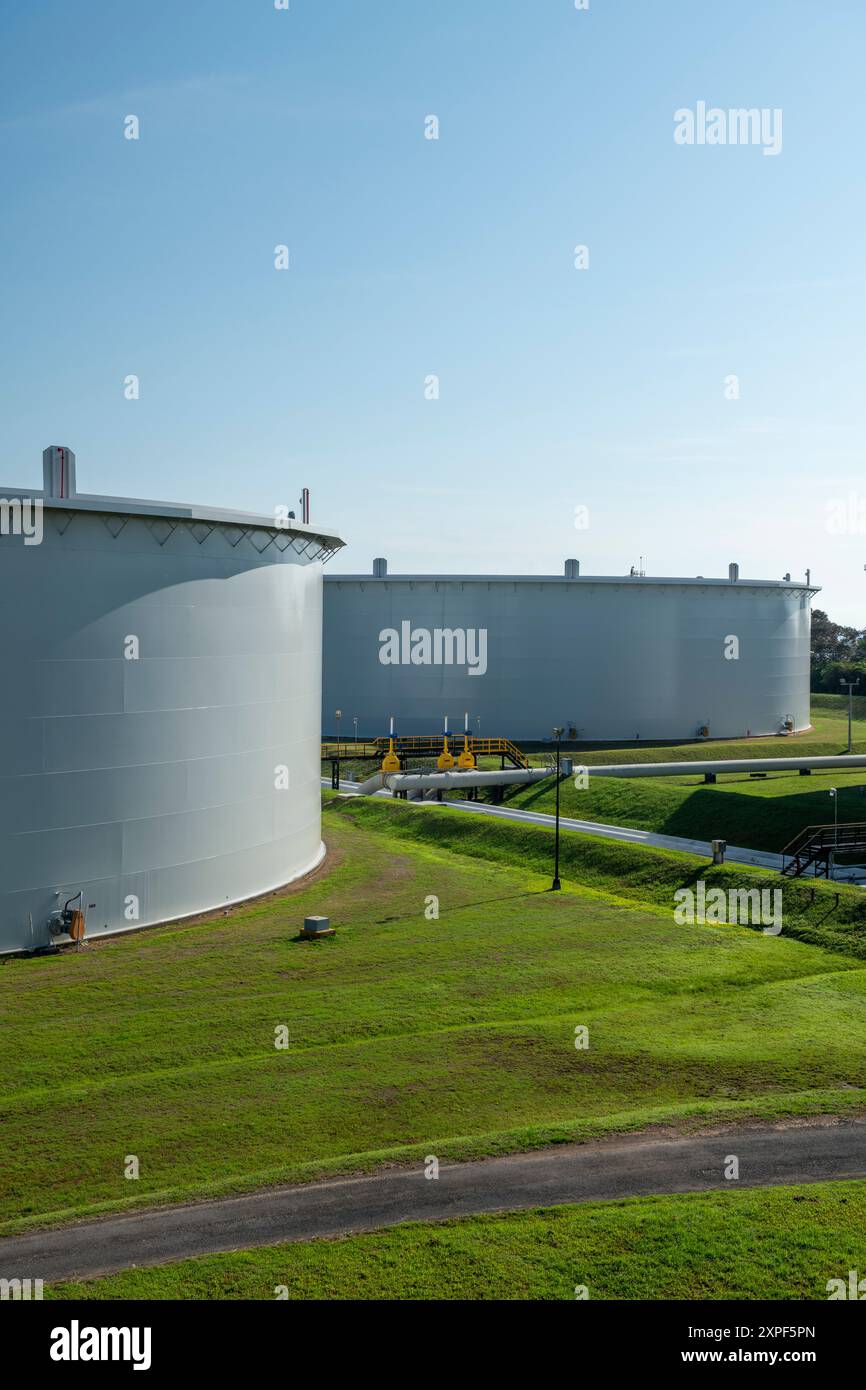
(788,586)
(178,511)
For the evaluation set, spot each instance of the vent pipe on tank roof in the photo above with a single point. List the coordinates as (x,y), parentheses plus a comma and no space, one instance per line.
(733,573)
(380,568)
(58,471)
(572,569)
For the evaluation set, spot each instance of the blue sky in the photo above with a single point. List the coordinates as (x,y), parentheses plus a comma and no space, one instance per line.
(559,388)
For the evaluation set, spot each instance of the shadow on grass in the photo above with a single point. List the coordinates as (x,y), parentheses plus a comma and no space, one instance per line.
(498,901)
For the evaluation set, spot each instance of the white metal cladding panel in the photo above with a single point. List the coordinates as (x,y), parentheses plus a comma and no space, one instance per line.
(156,777)
(614,660)
(55,800)
(114,685)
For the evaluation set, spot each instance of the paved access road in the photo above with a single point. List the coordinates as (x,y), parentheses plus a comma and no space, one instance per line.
(641,1165)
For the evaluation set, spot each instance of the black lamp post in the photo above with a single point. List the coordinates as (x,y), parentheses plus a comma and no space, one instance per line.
(852,685)
(556,885)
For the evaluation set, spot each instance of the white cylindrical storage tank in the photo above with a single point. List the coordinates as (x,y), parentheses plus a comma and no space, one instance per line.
(160,709)
(605,658)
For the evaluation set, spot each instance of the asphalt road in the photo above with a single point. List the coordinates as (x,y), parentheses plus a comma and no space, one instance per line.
(805,1151)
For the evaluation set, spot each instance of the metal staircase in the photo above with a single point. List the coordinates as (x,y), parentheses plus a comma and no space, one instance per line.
(816,845)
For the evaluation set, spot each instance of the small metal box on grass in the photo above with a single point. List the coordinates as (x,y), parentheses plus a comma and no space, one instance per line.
(318,926)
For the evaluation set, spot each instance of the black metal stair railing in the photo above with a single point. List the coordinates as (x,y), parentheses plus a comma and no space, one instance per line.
(815,846)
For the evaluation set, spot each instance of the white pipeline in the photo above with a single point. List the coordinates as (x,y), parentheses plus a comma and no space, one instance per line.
(851,760)
(437,781)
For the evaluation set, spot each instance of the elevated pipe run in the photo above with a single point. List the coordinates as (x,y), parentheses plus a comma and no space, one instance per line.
(437,781)
(851,760)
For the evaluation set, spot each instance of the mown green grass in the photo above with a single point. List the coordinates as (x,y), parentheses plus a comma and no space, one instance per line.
(765,1243)
(406,1032)
(816,912)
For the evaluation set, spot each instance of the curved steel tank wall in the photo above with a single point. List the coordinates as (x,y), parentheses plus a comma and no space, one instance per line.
(614,659)
(154,779)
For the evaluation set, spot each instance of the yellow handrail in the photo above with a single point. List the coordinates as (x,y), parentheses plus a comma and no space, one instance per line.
(418,744)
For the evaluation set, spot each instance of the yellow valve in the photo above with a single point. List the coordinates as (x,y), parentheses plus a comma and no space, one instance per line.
(445,759)
(467,757)
(390,762)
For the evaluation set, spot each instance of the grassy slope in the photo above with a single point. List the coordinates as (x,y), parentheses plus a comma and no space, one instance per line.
(407,1033)
(772,1243)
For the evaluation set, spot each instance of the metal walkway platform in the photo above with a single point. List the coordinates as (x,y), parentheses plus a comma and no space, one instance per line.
(422,745)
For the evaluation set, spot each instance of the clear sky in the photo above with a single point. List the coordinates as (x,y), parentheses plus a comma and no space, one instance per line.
(559,388)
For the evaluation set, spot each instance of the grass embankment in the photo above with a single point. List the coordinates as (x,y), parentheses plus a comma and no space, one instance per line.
(409,1035)
(816,912)
(774,1243)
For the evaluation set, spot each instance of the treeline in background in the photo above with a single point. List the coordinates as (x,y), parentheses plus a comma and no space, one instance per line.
(838,654)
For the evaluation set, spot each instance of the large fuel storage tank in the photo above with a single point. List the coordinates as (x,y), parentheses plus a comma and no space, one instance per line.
(160,707)
(602,657)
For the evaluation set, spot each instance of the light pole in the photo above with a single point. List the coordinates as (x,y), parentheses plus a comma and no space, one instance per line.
(850,685)
(339,715)
(355,722)
(556,885)
(835,828)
